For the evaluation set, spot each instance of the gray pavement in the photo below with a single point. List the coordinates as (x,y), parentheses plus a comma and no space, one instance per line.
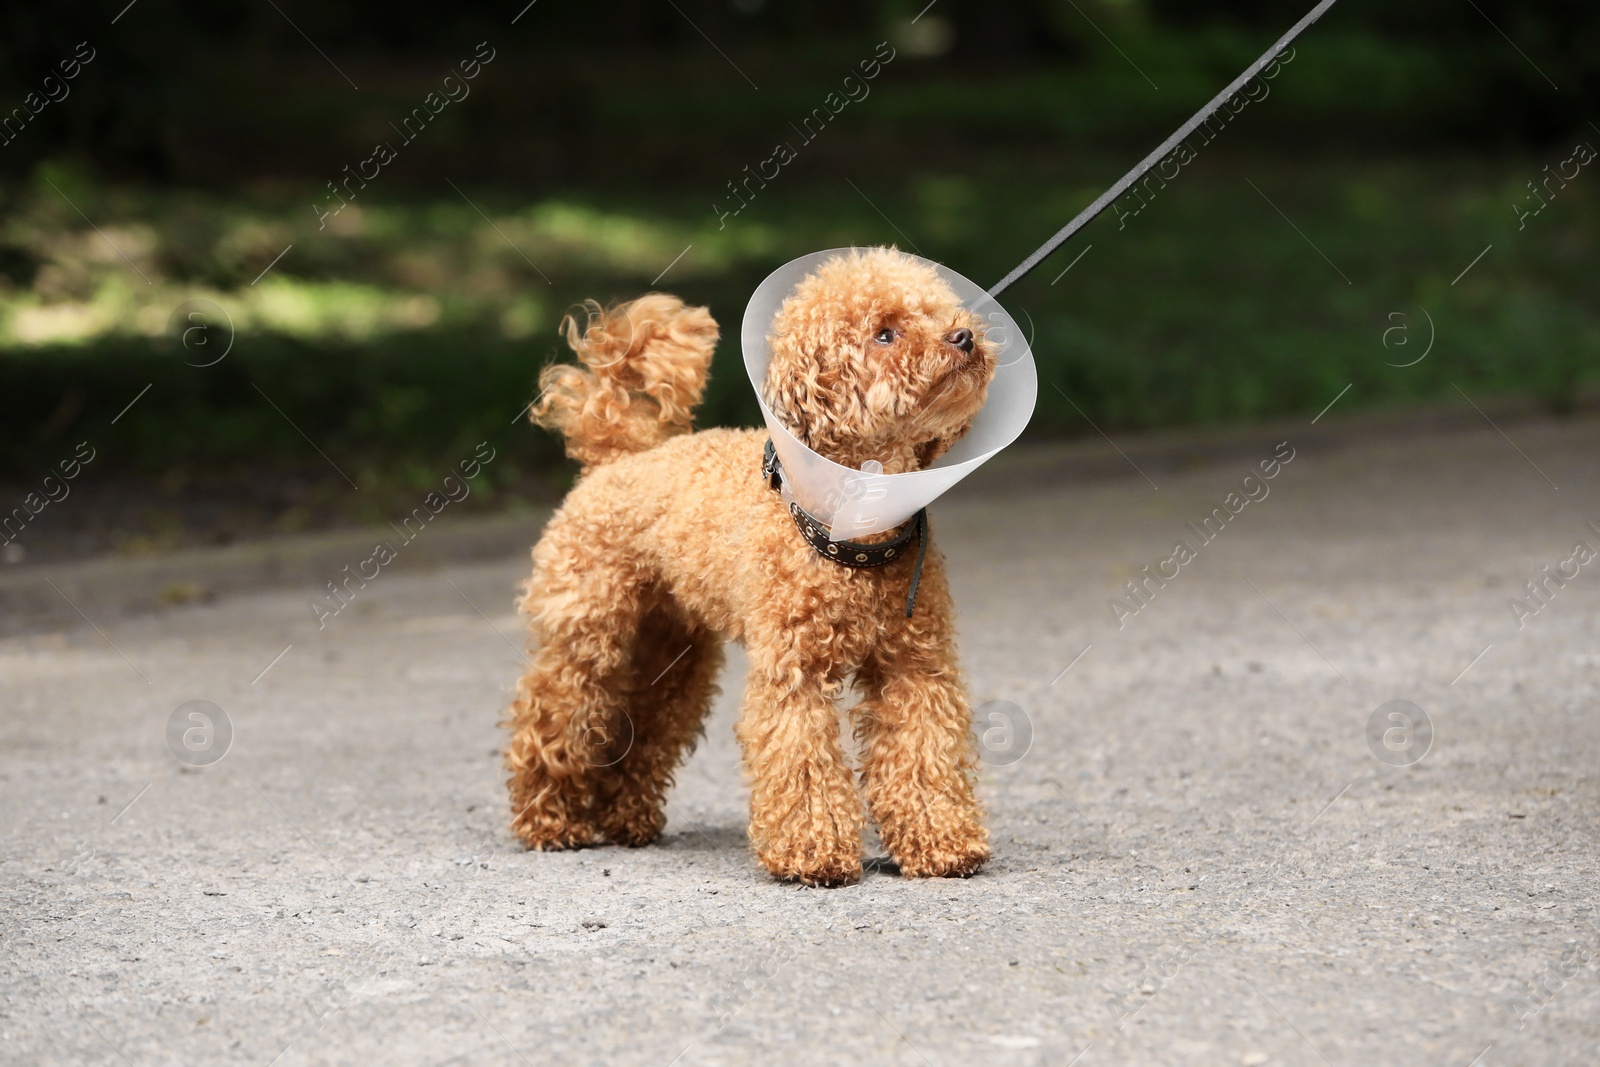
(1201,857)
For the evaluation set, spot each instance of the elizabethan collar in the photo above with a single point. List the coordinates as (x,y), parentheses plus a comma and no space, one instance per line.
(855,503)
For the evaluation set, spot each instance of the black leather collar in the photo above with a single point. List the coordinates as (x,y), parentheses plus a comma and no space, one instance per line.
(853,553)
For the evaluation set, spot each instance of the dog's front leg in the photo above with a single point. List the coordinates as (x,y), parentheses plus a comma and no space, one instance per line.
(914,724)
(805,814)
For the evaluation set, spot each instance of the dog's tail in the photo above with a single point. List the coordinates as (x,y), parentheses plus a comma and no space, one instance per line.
(645,365)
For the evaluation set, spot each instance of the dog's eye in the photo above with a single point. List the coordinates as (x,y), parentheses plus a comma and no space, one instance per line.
(886,336)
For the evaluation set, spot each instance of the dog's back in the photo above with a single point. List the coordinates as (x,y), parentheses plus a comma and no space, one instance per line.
(645,365)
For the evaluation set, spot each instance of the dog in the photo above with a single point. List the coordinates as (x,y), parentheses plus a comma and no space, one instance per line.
(672,542)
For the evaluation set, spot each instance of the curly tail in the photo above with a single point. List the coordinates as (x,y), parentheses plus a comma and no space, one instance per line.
(645,367)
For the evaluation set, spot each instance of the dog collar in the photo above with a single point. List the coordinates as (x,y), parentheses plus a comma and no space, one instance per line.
(852,553)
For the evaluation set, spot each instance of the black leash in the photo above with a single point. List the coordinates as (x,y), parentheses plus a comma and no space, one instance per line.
(853,553)
(1105,198)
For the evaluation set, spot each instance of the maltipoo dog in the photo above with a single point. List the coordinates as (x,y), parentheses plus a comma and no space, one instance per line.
(673,542)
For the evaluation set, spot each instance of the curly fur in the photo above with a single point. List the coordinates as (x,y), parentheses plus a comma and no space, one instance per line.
(671,543)
(647,362)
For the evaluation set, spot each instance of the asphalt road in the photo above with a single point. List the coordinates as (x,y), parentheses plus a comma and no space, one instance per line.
(1207,853)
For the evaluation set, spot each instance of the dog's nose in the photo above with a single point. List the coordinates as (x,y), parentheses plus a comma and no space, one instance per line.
(962,339)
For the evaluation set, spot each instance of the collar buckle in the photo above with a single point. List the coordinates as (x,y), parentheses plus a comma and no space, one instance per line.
(771,469)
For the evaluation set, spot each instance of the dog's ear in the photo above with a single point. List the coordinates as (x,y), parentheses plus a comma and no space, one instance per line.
(792,402)
(803,381)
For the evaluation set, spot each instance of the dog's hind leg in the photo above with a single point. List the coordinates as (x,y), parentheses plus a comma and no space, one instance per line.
(674,679)
(914,724)
(567,718)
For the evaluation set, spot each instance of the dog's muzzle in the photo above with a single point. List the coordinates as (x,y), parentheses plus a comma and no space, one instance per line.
(853,553)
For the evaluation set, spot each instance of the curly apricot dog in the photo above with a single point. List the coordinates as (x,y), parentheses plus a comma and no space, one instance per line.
(672,542)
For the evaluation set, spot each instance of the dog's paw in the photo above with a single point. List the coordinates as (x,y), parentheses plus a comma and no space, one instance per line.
(819,874)
(554,835)
(632,822)
(945,842)
(940,861)
(827,859)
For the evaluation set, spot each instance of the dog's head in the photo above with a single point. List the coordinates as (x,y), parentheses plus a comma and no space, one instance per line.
(875,358)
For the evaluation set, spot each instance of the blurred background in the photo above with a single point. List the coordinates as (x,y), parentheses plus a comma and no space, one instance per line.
(168,168)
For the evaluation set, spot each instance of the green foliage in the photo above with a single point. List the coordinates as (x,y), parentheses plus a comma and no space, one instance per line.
(400,341)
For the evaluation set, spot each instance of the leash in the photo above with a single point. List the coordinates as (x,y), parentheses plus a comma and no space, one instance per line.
(859,555)
(1162,150)
(852,553)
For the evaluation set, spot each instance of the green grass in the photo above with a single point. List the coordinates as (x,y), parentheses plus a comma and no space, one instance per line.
(412,328)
